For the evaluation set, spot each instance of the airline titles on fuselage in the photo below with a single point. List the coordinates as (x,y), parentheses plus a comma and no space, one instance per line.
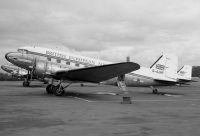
(55,54)
(73,58)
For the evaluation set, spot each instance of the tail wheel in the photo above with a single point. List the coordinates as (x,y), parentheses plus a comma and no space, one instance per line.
(58,90)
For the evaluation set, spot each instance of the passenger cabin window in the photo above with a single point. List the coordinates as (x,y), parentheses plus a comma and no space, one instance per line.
(68,63)
(58,61)
(49,59)
(77,65)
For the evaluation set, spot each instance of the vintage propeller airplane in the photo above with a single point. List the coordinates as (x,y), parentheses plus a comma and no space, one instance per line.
(57,65)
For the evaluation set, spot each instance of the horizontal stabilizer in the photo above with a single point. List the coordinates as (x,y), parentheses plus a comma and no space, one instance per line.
(97,74)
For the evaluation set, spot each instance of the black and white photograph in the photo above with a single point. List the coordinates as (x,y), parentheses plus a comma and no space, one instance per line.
(99,67)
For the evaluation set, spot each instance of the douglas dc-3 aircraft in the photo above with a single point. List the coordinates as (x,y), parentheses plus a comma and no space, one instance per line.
(45,62)
(69,67)
(14,71)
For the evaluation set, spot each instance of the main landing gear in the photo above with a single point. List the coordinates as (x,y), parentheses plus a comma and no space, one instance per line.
(57,90)
(50,88)
(154,90)
(28,78)
(26,83)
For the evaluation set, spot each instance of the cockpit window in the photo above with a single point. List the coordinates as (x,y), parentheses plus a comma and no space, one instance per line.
(22,51)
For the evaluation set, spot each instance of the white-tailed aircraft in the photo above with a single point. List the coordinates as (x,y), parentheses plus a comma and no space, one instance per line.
(69,67)
(185,75)
(44,62)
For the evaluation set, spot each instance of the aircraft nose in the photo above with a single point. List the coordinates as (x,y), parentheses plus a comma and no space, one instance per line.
(2,67)
(10,56)
(18,59)
(7,56)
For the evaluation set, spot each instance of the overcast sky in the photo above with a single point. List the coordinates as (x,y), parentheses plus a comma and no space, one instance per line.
(105,29)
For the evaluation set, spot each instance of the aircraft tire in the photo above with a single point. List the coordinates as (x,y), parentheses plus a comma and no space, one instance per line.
(49,89)
(155,91)
(26,84)
(57,91)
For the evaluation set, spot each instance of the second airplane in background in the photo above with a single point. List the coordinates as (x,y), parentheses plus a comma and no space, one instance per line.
(22,73)
(14,71)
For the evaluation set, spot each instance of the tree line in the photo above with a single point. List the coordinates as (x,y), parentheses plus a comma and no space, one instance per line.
(196,71)
(8,77)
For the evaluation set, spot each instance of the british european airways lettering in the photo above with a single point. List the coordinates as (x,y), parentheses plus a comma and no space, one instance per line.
(56,54)
(73,58)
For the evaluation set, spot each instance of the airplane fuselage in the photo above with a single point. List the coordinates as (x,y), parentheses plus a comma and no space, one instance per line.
(45,62)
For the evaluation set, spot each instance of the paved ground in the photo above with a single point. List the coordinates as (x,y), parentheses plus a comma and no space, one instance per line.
(88,111)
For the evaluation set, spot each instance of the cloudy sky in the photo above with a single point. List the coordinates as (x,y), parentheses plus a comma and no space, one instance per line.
(105,29)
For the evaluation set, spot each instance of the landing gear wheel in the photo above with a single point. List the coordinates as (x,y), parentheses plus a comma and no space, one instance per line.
(50,88)
(155,91)
(58,90)
(26,84)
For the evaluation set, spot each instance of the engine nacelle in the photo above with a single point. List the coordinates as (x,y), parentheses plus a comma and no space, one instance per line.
(40,68)
(43,68)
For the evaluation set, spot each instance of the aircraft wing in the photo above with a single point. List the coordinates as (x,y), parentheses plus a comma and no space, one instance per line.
(97,74)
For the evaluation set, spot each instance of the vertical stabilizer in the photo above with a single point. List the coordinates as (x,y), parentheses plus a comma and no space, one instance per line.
(165,68)
(185,73)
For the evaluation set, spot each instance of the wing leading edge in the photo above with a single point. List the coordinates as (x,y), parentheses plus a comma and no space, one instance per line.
(97,74)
